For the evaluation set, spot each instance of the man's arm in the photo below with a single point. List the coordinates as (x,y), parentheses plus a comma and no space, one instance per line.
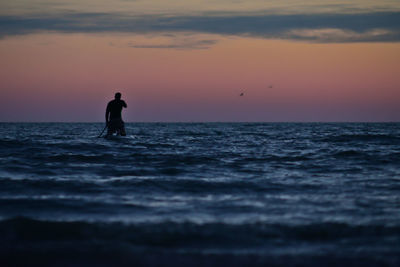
(107,113)
(124,104)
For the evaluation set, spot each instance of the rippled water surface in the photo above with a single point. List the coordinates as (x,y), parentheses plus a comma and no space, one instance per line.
(203,194)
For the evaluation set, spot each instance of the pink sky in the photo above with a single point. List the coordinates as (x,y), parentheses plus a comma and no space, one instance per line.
(71,77)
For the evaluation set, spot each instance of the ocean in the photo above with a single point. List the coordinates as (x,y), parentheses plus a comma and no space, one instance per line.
(200,194)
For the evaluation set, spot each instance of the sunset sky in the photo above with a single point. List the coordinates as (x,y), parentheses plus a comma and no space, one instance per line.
(184,61)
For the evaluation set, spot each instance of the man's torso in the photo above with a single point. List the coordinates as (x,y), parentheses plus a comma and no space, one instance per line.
(115,108)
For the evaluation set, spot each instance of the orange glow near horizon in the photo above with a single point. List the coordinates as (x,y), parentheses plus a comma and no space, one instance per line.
(70,77)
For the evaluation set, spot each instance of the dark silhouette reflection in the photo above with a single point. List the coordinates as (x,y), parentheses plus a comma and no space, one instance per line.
(114,121)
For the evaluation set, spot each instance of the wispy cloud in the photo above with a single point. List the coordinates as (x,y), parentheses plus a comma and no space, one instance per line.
(176,43)
(360,27)
(341,36)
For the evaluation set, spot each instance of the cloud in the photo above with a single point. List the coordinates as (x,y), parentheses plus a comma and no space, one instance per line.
(181,44)
(360,27)
(343,36)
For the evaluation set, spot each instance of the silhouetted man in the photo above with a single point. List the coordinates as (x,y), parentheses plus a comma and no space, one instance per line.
(114,120)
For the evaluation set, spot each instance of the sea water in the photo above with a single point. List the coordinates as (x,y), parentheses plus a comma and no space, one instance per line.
(200,194)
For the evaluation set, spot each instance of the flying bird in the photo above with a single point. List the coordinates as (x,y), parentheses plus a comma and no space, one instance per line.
(241,94)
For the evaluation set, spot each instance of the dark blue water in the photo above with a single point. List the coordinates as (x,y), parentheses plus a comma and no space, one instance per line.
(200,195)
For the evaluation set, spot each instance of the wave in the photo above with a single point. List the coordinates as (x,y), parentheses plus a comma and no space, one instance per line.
(27,241)
(137,183)
(382,138)
(78,158)
(182,234)
(349,153)
(51,185)
(372,158)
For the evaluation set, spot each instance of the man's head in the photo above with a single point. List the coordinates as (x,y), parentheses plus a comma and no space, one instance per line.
(118,96)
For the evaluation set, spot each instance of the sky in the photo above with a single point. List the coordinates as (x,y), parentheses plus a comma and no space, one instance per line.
(190,61)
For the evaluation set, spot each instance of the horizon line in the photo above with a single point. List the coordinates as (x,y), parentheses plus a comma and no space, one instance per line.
(188,122)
